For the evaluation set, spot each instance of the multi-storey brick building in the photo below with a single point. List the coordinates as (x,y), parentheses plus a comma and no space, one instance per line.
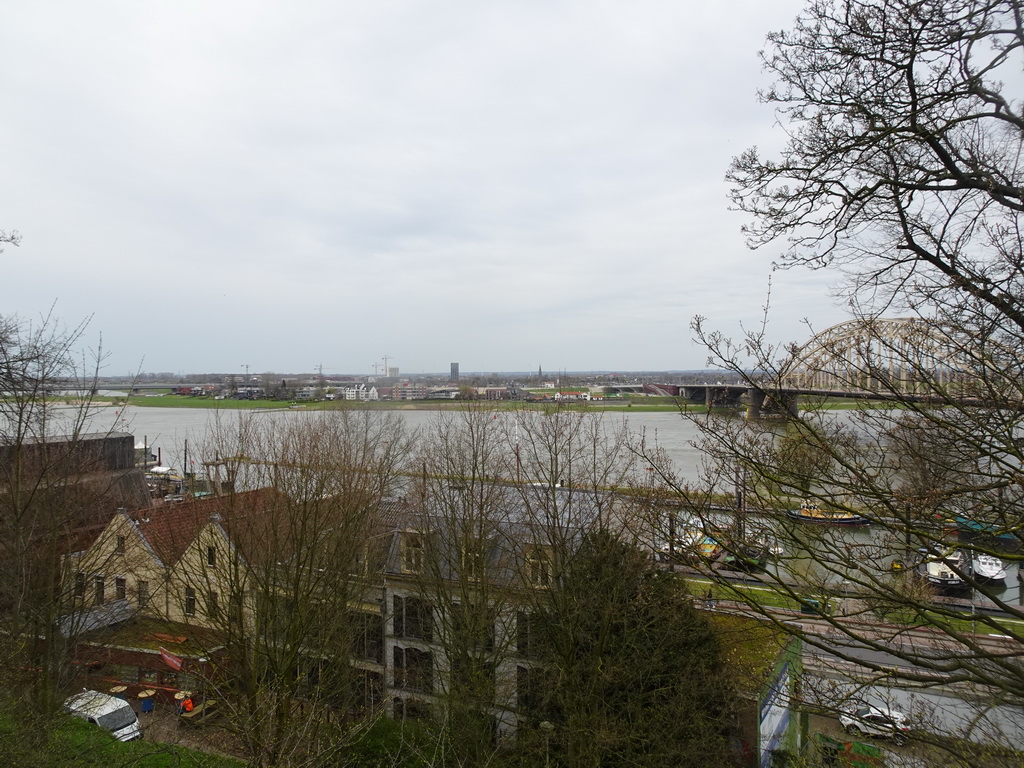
(438,596)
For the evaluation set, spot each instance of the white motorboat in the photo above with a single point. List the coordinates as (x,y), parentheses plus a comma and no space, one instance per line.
(987,567)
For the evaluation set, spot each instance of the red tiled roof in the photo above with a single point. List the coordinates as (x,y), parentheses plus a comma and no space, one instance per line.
(171,528)
(264,525)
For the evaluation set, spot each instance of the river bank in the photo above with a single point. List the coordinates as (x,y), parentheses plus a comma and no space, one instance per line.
(655,404)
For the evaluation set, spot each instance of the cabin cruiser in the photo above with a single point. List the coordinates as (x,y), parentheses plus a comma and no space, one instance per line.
(987,567)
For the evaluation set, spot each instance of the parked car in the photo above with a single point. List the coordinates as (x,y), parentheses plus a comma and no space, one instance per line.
(876,721)
(109,712)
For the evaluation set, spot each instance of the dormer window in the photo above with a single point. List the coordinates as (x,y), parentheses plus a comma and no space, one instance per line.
(472,561)
(538,567)
(360,560)
(412,552)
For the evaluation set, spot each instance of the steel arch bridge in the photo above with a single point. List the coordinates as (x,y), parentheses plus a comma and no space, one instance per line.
(901,356)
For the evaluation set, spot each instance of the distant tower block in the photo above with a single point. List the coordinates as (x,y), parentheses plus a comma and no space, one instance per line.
(455,372)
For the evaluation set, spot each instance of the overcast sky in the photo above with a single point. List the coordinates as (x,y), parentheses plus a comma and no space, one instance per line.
(286,185)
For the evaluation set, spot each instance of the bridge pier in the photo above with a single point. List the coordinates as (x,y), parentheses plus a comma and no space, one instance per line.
(789,402)
(755,402)
(758,401)
(694,394)
(719,396)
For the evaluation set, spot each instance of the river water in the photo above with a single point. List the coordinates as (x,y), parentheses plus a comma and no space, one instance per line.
(168,430)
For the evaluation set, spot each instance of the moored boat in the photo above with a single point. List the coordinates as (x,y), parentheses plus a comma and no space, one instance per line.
(987,567)
(812,513)
(750,554)
(999,537)
(938,569)
(689,545)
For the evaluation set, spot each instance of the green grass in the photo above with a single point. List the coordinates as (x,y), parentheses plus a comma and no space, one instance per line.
(646,405)
(65,741)
(769,598)
(180,401)
(761,595)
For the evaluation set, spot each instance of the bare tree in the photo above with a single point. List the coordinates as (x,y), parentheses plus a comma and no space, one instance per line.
(903,160)
(280,576)
(460,534)
(59,484)
(902,170)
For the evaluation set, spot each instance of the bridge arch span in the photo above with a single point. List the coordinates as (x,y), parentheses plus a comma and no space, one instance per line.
(902,355)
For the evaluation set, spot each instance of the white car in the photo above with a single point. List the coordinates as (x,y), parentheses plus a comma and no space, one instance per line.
(113,714)
(876,721)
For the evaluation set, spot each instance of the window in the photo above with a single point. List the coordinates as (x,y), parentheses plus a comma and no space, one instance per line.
(367,689)
(413,618)
(471,561)
(143,592)
(367,636)
(412,552)
(538,567)
(121,588)
(213,604)
(528,635)
(79,585)
(190,601)
(211,556)
(119,549)
(151,677)
(100,587)
(414,670)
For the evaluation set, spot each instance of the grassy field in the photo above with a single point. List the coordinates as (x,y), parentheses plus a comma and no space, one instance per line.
(646,405)
(179,401)
(66,741)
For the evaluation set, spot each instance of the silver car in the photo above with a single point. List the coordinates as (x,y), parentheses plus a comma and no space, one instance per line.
(876,721)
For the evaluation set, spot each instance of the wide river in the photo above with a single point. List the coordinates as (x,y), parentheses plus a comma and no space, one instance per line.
(166,431)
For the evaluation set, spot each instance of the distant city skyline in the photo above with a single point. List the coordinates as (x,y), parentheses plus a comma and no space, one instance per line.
(324,183)
(440,375)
